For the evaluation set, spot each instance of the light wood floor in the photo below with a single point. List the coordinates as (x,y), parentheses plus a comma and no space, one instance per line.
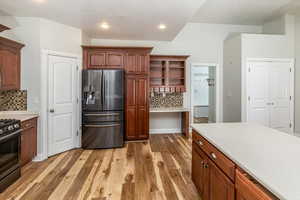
(159,169)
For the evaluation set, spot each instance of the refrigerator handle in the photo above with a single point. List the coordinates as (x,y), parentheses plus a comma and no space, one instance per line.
(103,91)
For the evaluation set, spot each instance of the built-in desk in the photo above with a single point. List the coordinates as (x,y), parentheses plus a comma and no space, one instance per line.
(184,115)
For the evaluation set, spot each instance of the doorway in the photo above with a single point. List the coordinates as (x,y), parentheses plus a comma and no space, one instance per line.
(203,93)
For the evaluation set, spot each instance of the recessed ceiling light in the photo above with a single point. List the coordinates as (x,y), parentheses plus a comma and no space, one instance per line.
(104,25)
(162,26)
(39,1)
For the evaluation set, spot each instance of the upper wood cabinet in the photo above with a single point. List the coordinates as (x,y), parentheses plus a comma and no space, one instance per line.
(137,63)
(98,58)
(167,73)
(10,63)
(132,59)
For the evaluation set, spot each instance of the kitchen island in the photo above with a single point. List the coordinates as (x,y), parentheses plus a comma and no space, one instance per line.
(245,161)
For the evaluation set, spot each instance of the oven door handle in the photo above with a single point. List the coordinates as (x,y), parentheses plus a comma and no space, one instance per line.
(10,136)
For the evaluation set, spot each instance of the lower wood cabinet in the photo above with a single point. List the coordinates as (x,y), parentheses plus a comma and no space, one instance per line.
(210,181)
(137,107)
(216,177)
(28,141)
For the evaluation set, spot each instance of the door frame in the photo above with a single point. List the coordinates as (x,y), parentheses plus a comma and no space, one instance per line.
(291,62)
(44,91)
(217,85)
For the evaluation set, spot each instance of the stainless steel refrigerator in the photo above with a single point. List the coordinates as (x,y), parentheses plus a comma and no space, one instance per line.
(102,109)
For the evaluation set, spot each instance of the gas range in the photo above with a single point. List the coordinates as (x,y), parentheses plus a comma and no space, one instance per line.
(8,126)
(10,140)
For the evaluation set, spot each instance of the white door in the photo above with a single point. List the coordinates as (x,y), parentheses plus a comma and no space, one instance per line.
(279,96)
(258,94)
(62,104)
(269,87)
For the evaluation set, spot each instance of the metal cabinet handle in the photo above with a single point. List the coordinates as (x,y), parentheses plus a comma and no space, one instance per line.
(51,110)
(112,114)
(206,166)
(101,126)
(200,143)
(213,155)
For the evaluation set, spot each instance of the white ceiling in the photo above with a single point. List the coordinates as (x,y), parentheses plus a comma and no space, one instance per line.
(243,12)
(129,19)
(138,19)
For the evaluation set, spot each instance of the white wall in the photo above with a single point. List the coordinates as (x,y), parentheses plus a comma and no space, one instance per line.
(232,79)
(60,37)
(275,26)
(204,42)
(297,76)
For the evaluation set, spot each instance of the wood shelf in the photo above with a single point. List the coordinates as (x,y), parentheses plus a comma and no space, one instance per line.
(171,69)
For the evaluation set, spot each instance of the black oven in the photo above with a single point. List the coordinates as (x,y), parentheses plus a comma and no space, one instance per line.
(9,158)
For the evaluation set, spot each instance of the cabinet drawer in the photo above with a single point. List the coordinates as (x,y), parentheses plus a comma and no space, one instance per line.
(225,164)
(248,188)
(31,123)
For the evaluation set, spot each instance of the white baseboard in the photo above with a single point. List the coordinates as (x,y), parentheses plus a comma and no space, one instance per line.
(165,131)
(39,157)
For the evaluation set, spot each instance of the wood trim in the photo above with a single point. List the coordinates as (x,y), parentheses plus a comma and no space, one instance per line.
(3,28)
(11,43)
(149,49)
(183,57)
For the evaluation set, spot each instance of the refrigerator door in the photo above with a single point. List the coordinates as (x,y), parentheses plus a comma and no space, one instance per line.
(103,135)
(113,90)
(92,87)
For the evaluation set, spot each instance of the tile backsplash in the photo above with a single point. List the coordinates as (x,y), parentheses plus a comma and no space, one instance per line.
(13,100)
(167,101)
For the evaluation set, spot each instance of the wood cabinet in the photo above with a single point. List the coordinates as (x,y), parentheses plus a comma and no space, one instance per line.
(167,73)
(10,61)
(220,186)
(248,188)
(210,181)
(137,107)
(217,178)
(94,58)
(28,141)
(137,63)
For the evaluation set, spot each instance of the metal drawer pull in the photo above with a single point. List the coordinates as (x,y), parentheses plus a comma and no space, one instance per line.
(112,114)
(200,143)
(101,126)
(213,155)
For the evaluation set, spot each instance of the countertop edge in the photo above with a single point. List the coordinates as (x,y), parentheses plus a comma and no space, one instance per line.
(241,165)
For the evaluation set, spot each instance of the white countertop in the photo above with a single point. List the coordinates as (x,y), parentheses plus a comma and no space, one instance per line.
(167,110)
(270,156)
(19,115)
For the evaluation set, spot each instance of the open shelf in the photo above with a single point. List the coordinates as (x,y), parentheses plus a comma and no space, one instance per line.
(167,72)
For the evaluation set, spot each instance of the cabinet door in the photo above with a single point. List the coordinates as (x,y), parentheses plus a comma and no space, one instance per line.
(142,107)
(199,172)
(114,60)
(131,63)
(26,149)
(249,189)
(220,187)
(130,113)
(9,70)
(142,64)
(96,59)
